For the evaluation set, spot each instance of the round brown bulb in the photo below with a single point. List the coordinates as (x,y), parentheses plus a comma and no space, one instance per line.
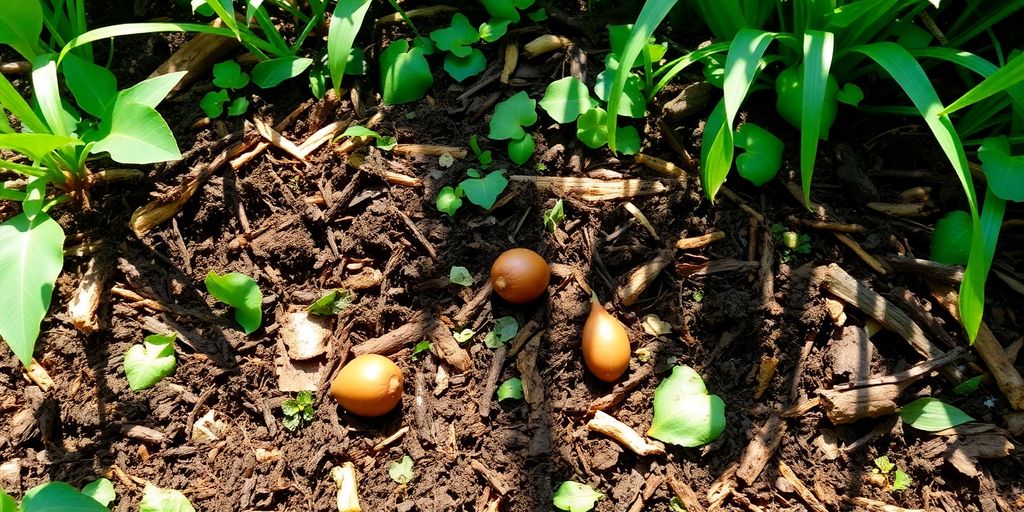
(520,275)
(369,385)
(605,344)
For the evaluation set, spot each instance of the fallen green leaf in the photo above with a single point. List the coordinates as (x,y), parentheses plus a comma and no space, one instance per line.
(512,388)
(460,276)
(484,191)
(155,499)
(401,470)
(100,490)
(150,362)
(332,303)
(576,497)
(554,216)
(932,415)
(505,328)
(240,292)
(684,413)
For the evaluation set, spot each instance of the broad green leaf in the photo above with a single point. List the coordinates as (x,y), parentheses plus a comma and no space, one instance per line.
(983,249)
(152,91)
(460,276)
(1005,173)
(484,191)
(463,335)
(505,328)
(155,499)
(31,255)
(565,99)
(554,216)
(225,10)
(461,68)
(512,388)
(229,75)
(401,470)
(270,73)
(58,497)
(7,503)
(850,94)
(240,292)
(629,140)
(148,363)
(951,240)
(449,200)
(346,19)
(35,145)
(332,303)
(575,497)
(762,158)
(93,87)
(932,415)
(457,37)
(900,481)
(538,16)
(969,386)
(511,115)
(520,150)
(684,413)
(493,30)
(633,104)
(818,50)
(238,106)
(1007,76)
(592,128)
(136,134)
(405,73)
(21,26)
(502,9)
(213,103)
(47,94)
(100,490)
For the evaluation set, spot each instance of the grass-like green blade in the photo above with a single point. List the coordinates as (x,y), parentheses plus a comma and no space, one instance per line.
(716,152)
(653,12)
(983,248)
(13,102)
(898,62)
(669,71)
(345,22)
(47,93)
(226,12)
(985,21)
(818,50)
(968,60)
(1007,76)
(129,29)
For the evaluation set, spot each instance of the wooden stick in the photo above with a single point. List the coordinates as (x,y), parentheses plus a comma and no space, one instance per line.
(321,136)
(871,402)
(390,439)
(801,490)
(38,375)
(677,146)
(18,67)
(421,12)
(761,449)
(245,156)
(594,190)
(662,167)
(510,62)
(935,271)
(901,209)
(443,345)
(641,277)
(697,242)
(872,262)
(492,478)
(429,150)
(276,139)
(412,331)
(650,487)
(85,302)
(909,303)
(606,424)
(685,494)
(911,374)
(641,218)
(839,227)
(487,396)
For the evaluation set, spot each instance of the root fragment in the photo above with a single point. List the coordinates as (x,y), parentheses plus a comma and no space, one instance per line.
(606,424)
(348,493)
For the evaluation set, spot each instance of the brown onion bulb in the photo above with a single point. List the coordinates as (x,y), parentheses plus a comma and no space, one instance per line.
(520,275)
(369,385)
(605,344)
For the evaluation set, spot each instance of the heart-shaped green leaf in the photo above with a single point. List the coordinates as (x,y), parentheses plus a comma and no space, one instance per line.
(851,94)
(512,388)
(449,200)
(213,103)
(457,37)
(148,363)
(229,75)
(405,74)
(270,73)
(460,276)
(483,192)
(461,68)
(502,9)
(684,413)
(565,99)
(951,240)
(511,115)
(493,30)
(592,128)
(240,292)
(238,106)
(1005,173)
(58,497)
(932,415)
(100,490)
(155,499)
(576,497)
(762,158)
(629,140)
(520,150)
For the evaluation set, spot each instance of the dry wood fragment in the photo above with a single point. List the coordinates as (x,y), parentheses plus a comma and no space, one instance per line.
(511,61)
(697,242)
(545,44)
(417,234)
(801,408)
(390,439)
(278,140)
(1007,378)
(722,488)
(835,311)
(651,485)
(621,390)
(487,396)
(348,492)
(471,308)
(910,374)
(496,481)
(685,493)
(670,136)
(732,196)
(641,218)
(641,277)
(855,293)
(910,304)
(766,276)
(533,386)
(196,57)
(395,178)
(948,274)
(606,424)
(412,331)
(444,346)
(878,506)
(422,407)
(85,302)
(594,190)
(429,150)
(690,100)
(872,262)
(840,227)
(912,210)
(351,144)
(18,67)
(915,195)
(421,12)
(1010,280)
(765,372)
(801,490)
(144,434)
(662,167)
(38,375)
(321,136)
(850,405)
(246,155)
(715,267)
(761,449)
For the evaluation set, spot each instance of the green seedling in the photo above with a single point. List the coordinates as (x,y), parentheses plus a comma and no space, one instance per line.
(554,216)
(463,335)
(100,490)
(969,386)
(510,389)
(507,123)
(538,15)
(951,240)
(900,480)
(762,156)
(484,157)
(482,190)
(506,9)
(383,142)
(457,38)
(505,328)
(576,497)
(405,73)
(148,363)
(53,496)
(240,292)
(155,499)
(270,73)
(565,99)
(493,30)
(227,75)
(932,415)
(401,470)
(685,413)
(420,349)
(299,410)
(792,243)
(462,60)
(675,505)
(460,276)
(449,200)
(332,303)
(592,130)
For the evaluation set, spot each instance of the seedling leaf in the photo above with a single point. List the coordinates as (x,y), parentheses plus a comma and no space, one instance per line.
(932,415)
(520,150)
(763,156)
(493,30)
(32,252)
(502,9)
(270,73)
(951,240)
(449,200)
(684,413)
(484,157)
(851,94)
(884,465)
(457,37)
(94,87)
(21,26)
(7,503)
(463,335)
(900,481)
(633,104)
(539,15)
(332,303)
(383,142)
(401,470)
(229,75)
(152,91)
(239,106)
(483,192)
(419,349)
(213,103)
(57,496)
(512,388)
(554,216)
(565,99)
(136,134)
(298,410)
(148,363)
(242,293)
(511,115)
(155,499)
(346,19)
(100,490)
(460,276)
(405,74)
(592,128)
(1005,173)
(576,497)
(461,68)
(629,140)
(969,386)
(505,328)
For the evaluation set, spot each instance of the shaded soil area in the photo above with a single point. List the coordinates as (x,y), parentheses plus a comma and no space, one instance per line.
(303,228)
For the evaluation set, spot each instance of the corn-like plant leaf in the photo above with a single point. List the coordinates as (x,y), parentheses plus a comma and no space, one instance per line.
(47,93)
(818,49)
(20,26)
(1007,76)
(345,22)
(983,248)
(31,256)
(13,102)
(932,415)
(136,134)
(94,87)
(128,29)
(34,145)
(974,63)
(152,91)
(270,73)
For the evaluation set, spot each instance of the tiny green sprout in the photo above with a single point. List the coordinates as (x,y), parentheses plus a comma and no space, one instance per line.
(213,103)
(698,296)
(541,167)
(538,16)
(457,37)
(405,73)
(384,143)
(685,414)
(850,94)
(951,239)
(575,497)
(511,115)
(969,386)
(332,303)
(675,505)
(483,191)
(484,157)
(554,216)
(493,30)
(238,106)
(298,411)
(884,465)
(510,389)
(566,99)
(229,75)
(148,363)
(449,200)
(505,328)
(463,335)
(762,158)
(901,481)
(460,276)
(401,470)
(793,243)
(420,349)
(242,293)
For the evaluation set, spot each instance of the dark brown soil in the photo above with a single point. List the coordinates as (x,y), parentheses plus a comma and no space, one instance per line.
(77,431)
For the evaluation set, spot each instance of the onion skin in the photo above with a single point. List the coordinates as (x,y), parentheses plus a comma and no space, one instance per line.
(520,275)
(605,344)
(369,385)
